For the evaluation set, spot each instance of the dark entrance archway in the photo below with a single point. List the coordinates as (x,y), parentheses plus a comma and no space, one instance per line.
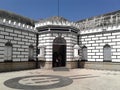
(59,52)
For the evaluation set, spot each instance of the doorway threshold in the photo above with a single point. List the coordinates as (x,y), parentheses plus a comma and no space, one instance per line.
(60,69)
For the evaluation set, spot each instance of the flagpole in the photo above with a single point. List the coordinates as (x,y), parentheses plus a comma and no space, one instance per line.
(58,7)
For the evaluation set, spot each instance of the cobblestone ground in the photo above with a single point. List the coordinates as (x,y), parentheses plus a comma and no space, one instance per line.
(74,79)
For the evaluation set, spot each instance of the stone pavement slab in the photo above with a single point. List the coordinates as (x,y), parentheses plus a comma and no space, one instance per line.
(73,79)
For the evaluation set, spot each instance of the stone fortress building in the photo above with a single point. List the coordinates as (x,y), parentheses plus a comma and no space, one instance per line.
(92,43)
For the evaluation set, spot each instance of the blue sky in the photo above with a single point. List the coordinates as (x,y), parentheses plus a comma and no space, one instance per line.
(73,10)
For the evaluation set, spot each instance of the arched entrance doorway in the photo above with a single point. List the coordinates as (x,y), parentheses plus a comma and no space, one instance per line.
(59,52)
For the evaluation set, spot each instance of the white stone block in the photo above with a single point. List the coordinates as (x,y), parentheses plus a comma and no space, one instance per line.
(102,44)
(16,59)
(118,39)
(16,53)
(84,37)
(91,59)
(31,41)
(99,47)
(69,47)
(48,53)
(107,41)
(116,46)
(118,50)
(91,47)
(4,33)
(118,43)
(20,56)
(87,39)
(67,38)
(99,59)
(70,59)
(118,36)
(31,35)
(9,37)
(24,53)
(13,42)
(16,38)
(101,56)
(95,56)
(116,53)
(95,44)
(48,56)
(91,36)
(88,45)
(96,38)
(116,33)
(18,46)
(48,47)
(91,42)
(69,44)
(3,40)
(20,49)
(114,57)
(21,36)
(28,37)
(48,35)
(9,30)
(84,43)
(89,51)
(107,34)
(118,57)
(49,40)
(49,50)
(42,41)
(113,49)
(99,35)
(99,53)
(17,31)
(103,38)
(112,43)
(99,41)
(95,50)
(24,59)
(24,40)
(91,54)
(82,40)
(111,37)
(27,43)
(115,60)
(12,34)
(48,44)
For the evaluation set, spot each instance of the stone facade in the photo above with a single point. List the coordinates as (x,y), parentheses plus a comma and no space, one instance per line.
(46,40)
(95,43)
(96,33)
(21,36)
(89,43)
(20,39)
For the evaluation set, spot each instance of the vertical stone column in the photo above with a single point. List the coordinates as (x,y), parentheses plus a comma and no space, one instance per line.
(41,55)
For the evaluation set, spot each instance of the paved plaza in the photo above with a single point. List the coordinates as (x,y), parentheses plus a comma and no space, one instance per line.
(73,79)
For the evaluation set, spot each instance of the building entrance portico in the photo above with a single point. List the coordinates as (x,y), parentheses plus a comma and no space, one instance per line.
(58,38)
(59,52)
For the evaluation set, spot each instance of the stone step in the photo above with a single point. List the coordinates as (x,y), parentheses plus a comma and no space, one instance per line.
(60,69)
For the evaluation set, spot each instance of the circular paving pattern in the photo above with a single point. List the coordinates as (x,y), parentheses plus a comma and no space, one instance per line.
(38,82)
